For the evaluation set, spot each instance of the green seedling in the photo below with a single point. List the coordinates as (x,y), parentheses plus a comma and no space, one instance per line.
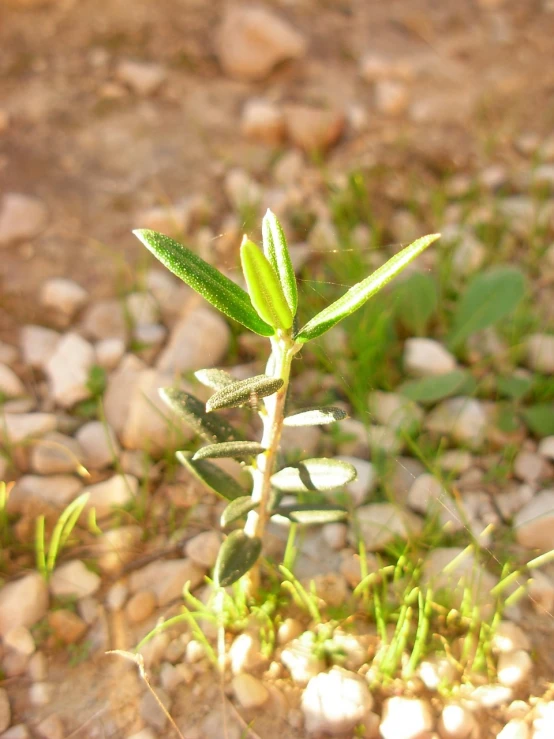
(46,562)
(269,309)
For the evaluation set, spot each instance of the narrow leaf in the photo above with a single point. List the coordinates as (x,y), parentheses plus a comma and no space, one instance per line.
(360,293)
(438,387)
(315,416)
(264,287)
(540,419)
(230,449)
(415,301)
(312,514)
(213,477)
(514,386)
(238,508)
(238,554)
(212,427)
(216,379)
(490,296)
(314,474)
(217,289)
(277,253)
(243,391)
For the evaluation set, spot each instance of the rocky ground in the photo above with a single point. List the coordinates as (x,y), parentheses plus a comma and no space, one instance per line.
(363,126)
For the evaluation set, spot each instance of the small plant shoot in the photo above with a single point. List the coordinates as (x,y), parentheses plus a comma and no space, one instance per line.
(269,308)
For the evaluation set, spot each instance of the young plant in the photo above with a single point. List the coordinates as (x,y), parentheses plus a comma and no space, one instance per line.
(269,309)
(46,562)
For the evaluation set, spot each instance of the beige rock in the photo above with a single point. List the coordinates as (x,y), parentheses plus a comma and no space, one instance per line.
(534,523)
(514,668)
(54,490)
(115,492)
(335,702)
(68,370)
(10,384)
(37,345)
(263,121)
(144,78)
(515,729)
(540,353)
(141,606)
(166,579)
(116,547)
(405,718)
(56,454)
(66,625)
(63,296)
(73,580)
(204,548)
(464,419)
(100,448)
(380,523)
(200,339)
(391,97)
(18,427)
(109,352)
(427,358)
(23,602)
(105,319)
(249,691)
(21,217)
(313,129)
(457,722)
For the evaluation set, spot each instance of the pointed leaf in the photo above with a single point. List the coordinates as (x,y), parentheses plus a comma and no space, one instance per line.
(238,508)
(490,296)
(415,301)
(360,293)
(238,554)
(216,379)
(230,449)
(217,289)
(243,391)
(264,287)
(438,387)
(315,416)
(277,253)
(212,427)
(213,477)
(314,474)
(514,386)
(312,513)
(540,419)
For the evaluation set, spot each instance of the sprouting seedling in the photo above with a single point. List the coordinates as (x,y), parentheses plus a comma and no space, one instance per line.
(269,309)
(46,561)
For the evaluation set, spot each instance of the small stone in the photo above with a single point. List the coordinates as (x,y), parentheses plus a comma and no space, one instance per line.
(23,602)
(115,492)
(313,129)
(252,40)
(150,710)
(68,370)
(63,296)
(300,659)
(380,523)
(66,625)
(514,668)
(515,729)
(105,319)
(194,652)
(109,352)
(263,121)
(381,438)
(204,548)
(464,419)
(544,720)
(335,702)
(116,547)
(141,606)
(456,722)
(546,447)
(149,336)
(335,535)
(51,727)
(529,467)
(20,640)
(391,97)
(245,653)
(435,671)
(365,482)
(331,588)
(142,308)
(427,358)
(10,384)
(166,579)
(405,718)
(18,731)
(395,411)
(303,440)
(375,66)
(8,353)
(116,596)
(56,454)
(37,345)
(55,490)
(5,710)
(540,353)
(425,494)
(143,734)
(289,168)
(73,580)
(99,445)
(403,473)
(509,637)
(466,574)
(21,217)
(541,593)
(249,692)
(468,256)
(455,461)
(200,339)
(19,427)
(144,78)
(41,694)
(290,629)
(534,523)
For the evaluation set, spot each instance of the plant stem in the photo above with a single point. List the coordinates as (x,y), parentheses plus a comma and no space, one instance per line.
(283,350)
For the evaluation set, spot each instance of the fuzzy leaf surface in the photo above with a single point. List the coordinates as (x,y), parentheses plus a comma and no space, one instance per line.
(229,449)
(237,509)
(314,474)
(217,289)
(433,389)
(360,293)
(216,379)
(277,253)
(238,554)
(212,427)
(312,513)
(213,477)
(242,391)
(264,287)
(540,419)
(315,416)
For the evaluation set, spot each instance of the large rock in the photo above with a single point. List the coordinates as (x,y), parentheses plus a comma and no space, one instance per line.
(534,523)
(19,427)
(200,339)
(55,490)
(464,419)
(381,523)
(63,296)
(21,217)
(426,358)
(37,345)
(68,370)
(166,578)
(313,129)
(56,454)
(252,40)
(23,602)
(115,492)
(335,702)
(540,353)
(73,580)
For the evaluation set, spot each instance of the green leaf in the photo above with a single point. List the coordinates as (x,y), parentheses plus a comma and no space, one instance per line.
(415,301)
(315,416)
(216,379)
(213,477)
(540,419)
(264,287)
(314,474)
(312,513)
(243,391)
(360,293)
(236,509)
(438,387)
(229,449)
(489,297)
(277,253)
(514,386)
(212,427)
(238,554)
(217,289)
